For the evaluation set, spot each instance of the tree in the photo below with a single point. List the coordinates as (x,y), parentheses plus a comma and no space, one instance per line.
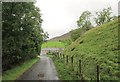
(103,16)
(45,36)
(84,20)
(83,23)
(21,33)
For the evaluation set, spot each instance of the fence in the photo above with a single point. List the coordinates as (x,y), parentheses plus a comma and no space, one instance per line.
(77,67)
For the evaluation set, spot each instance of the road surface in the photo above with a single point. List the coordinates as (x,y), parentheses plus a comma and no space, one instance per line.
(44,69)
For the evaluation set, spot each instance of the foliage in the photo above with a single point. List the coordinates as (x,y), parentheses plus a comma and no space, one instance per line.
(21,33)
(84,24)
(103,16)
(75,34)
(14,73)
(66,42)
(97,46)
(84,20)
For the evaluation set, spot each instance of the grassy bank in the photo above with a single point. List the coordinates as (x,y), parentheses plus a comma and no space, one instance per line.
(97,46)
(64,72)
(14,73)
(53,44)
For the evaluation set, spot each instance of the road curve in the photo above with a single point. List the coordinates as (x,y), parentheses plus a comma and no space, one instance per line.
(44,69)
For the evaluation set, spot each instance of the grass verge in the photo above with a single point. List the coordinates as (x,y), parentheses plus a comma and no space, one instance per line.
(64,72)
(14,73)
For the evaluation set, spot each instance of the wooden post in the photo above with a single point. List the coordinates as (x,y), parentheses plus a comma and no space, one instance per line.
(80,67)
(60,55)
(98,73)
(56,55)
(63,56)
(72,61)
(66,59)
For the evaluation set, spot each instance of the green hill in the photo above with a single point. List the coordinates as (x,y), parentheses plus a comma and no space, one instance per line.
(97,46)
(62,37)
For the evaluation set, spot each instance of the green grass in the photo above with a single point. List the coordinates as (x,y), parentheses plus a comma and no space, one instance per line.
(0,78)
(14,73)
(64,72)
(53,44)
(97,46)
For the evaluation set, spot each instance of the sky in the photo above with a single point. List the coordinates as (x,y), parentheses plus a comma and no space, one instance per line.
(60,16)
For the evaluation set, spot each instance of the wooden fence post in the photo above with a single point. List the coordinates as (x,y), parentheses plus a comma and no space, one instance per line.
(67,59)
(72,61)
(98,73)
(59,55)
(80,67)
(63,58)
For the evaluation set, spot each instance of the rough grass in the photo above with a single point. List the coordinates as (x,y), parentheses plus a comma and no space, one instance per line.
(53,44)
(14,73)
(97,46)
(64,72)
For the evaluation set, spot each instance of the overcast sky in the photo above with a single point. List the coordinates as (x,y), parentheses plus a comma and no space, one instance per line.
(60,16)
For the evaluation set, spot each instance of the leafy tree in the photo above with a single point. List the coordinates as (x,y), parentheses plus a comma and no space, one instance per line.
(84,20)
(21,33)
(45,36)
(103,16)
(83,23)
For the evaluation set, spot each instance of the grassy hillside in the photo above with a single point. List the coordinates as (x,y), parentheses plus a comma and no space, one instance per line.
(53,44)
(97,46)
(63,37)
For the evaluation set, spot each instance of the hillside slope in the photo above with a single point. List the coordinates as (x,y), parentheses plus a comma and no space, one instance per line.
(62,37)
(97,46)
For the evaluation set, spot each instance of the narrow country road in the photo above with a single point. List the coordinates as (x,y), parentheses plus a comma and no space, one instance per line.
(44,69)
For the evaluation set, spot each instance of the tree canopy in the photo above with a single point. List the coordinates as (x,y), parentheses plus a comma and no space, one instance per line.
(84,20)
(21,32)
(103,16)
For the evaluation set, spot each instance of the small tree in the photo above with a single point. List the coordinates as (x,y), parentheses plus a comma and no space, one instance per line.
(103,16)
(83,23)
(84,20)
